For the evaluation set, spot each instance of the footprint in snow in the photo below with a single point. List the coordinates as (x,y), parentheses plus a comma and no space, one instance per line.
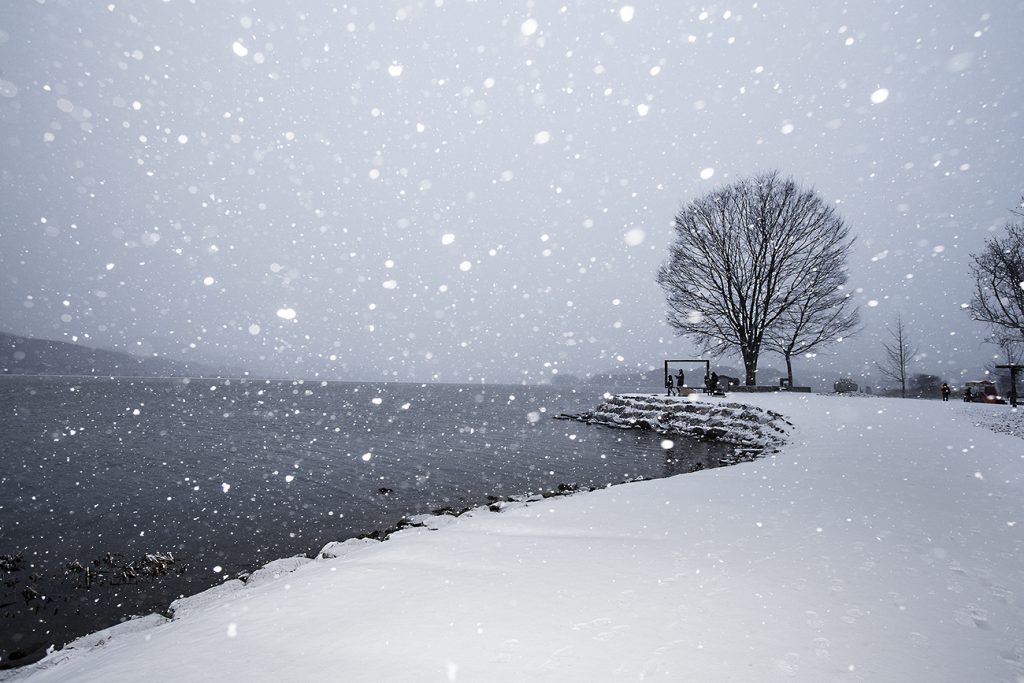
(972,616)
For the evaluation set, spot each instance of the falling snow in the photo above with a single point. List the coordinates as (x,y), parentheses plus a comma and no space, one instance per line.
(875,575)
(879,96)
(459,196)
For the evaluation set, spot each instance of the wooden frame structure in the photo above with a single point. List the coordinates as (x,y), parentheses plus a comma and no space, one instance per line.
(707,367)
(1013,368)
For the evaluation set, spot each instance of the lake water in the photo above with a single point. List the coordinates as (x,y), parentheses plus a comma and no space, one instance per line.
(228,475)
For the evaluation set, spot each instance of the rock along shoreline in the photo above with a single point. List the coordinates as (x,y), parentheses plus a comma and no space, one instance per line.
(751,428)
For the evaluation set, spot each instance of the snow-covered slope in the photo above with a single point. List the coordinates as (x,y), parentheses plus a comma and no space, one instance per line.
(883,543)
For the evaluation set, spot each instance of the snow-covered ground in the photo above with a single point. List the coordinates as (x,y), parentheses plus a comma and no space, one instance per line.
(883,543)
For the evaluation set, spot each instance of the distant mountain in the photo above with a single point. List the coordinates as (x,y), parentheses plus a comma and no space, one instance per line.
(614,380)
(28,356)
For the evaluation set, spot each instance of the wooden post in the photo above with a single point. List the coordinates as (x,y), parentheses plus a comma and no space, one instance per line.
(1013,368)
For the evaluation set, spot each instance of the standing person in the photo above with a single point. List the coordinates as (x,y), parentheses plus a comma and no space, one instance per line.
(680,381)
(707,384)
(945,392)
(668,385)
(714,382)
(967,395)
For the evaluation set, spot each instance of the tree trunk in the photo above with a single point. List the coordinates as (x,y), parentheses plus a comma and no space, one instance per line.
(903,367)
(750,366)
(789,369)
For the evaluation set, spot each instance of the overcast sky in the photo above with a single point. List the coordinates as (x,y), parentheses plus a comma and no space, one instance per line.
(453,190)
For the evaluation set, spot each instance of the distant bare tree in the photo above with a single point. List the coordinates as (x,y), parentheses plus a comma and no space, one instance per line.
(822,315)
(998,273)
(745,256)
(923,385)
(1010,344)
(898,355)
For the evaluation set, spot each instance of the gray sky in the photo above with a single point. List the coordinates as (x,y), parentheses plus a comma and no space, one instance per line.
(454,190)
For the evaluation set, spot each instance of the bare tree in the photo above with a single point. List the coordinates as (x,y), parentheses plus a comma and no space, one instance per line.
(924,384)
(1011,345)
(898,355)
(998,273)
(743,257)
(822,315)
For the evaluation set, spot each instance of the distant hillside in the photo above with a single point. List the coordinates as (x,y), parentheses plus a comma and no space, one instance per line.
(28,356)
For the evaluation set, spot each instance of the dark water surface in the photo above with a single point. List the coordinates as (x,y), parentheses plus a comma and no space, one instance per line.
(228,475)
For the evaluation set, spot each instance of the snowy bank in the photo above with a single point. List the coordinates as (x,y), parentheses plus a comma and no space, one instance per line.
(883,543)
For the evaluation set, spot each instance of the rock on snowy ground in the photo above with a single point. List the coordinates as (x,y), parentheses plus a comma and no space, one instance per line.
(883,543)
(726,421)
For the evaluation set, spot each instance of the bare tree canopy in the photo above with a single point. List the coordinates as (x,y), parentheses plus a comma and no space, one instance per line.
(898,354)
(743,259)
(998,273)
(823,315)
(1010,344)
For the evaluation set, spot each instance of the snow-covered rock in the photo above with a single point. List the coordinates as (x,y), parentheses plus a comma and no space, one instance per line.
(734,423)
(276,569)
(183,607)
(336,549)
(92,641)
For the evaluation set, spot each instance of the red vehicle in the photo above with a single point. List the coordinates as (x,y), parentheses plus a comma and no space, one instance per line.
(983,391)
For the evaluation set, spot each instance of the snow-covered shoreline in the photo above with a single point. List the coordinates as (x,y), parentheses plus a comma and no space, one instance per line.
(883,542)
